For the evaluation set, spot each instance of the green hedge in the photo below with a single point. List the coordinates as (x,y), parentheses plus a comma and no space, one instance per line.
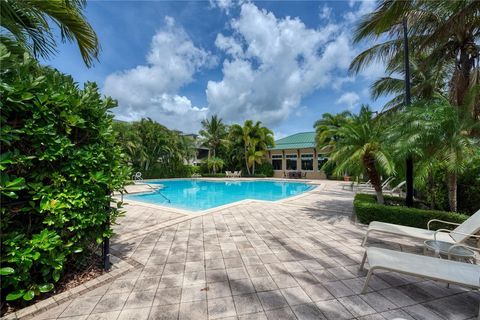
(265,169)
(368,210)
(59,163)
(213,175)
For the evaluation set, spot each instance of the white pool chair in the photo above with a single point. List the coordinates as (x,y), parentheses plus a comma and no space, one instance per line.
(460,273)
(370,187)
(396,189)
(468,229)
(229,174)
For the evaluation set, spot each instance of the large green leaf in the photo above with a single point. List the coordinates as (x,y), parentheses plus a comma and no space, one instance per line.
(6,271)
(46,287)
(15,295)
(29,295)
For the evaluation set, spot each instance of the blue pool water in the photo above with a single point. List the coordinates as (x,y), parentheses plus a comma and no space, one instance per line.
(198,195)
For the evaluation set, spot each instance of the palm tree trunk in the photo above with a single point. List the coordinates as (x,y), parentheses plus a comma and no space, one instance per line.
(246,160)
(253,166)
(452,191)
(460,81)
(369,163)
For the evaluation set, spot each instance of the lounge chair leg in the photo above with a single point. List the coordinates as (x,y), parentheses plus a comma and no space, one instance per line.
(365,286)
(365,239)
(363,260)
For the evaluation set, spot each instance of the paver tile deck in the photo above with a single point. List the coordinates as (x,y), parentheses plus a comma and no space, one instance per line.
(294,259)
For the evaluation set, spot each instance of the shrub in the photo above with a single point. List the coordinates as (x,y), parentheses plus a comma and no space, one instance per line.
(265,169)
(59,163)
(256,175)
(368,210)
(171,169)
(468,192)
(213,175)
(195,169)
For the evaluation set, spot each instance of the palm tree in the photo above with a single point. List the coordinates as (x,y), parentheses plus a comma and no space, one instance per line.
(438,133)
(327,129)
(427,81)
(28,26)
(215,164)
(361,147)
(253,155)
(445,31)
(157,143)
(186,147)
(253,140)
(213,134)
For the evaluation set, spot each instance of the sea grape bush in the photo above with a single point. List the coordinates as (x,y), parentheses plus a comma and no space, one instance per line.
(59,164)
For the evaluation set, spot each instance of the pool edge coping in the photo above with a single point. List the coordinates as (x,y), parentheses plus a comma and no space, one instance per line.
(316,187)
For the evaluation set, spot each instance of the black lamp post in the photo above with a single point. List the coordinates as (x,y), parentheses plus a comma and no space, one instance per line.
(409,162)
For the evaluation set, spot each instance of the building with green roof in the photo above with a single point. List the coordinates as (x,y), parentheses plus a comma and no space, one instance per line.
(297,156)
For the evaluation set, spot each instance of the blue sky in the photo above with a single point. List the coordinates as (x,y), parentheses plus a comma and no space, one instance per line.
(284,62)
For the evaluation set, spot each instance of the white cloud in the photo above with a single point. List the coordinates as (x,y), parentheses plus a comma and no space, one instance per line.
(151,89)
(325,12)
(350,99)
(364,7)
(225,5)
(338,82)
(273,63)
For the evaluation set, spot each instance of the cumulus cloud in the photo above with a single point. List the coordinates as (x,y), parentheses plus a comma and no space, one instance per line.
(225,5)
(364,7)
(349,99)
(325,12)
(151,89)
(272,63)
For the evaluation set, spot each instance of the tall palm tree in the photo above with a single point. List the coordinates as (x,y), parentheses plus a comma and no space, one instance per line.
(186,147)
(361,147)
(241,136)
(253,140)
(213,134)
(253,155)
(28,26)
(427,81)
(157,142)
(326,129)
(445,31)
(438,133)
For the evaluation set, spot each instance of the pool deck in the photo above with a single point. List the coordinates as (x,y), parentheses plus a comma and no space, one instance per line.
(296,258)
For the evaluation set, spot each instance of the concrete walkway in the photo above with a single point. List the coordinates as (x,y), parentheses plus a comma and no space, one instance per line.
(292,260)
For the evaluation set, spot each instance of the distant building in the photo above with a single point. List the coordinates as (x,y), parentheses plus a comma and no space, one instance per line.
(297,155)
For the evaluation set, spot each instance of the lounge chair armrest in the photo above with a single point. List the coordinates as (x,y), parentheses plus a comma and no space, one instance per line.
(442,221)
(456,232)
(457,245)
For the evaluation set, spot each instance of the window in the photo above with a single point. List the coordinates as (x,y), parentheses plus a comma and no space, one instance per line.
(307,162)
(277,161)
(291,161)
(321,161)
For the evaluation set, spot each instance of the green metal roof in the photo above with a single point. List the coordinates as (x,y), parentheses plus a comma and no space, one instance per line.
(296,141)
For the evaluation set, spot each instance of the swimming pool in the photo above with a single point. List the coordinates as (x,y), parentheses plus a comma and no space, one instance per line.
(198,195)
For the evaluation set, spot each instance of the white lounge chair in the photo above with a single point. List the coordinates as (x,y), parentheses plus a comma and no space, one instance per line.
(370,187)
(398,188)
(469,228)
(229,174)
(461,273)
